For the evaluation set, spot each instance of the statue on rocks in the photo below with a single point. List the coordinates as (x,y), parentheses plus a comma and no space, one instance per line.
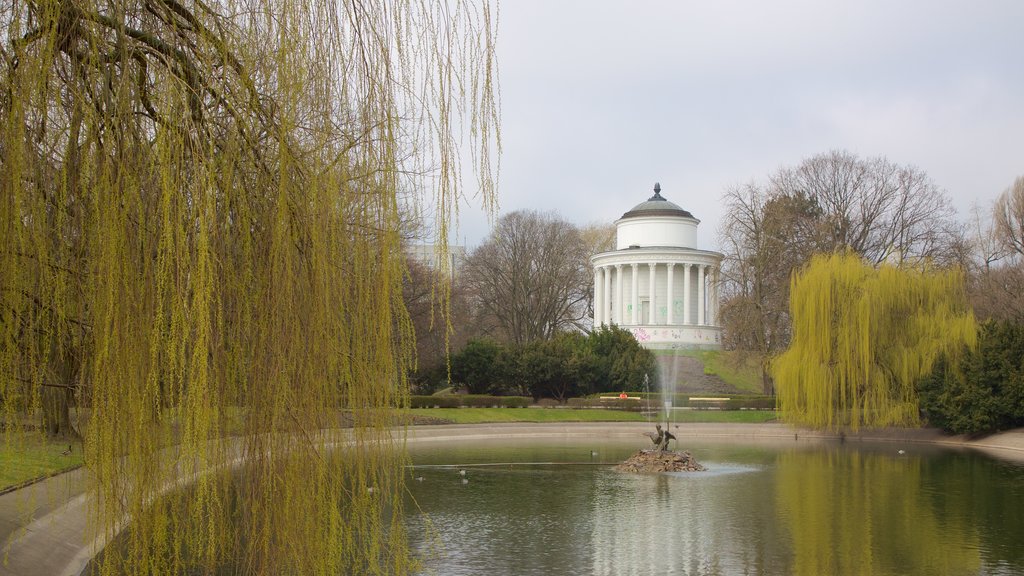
(664,442)
(660,459)
(660,438)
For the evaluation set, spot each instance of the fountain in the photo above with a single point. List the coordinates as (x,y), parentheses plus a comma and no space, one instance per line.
(647,397)
(668,372)
(660,458)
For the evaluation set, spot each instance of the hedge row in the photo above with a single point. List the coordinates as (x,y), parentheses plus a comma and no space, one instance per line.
(654,402)
(470,401)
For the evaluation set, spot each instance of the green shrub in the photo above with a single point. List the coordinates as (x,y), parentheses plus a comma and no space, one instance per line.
(751,403)
(479,401)
(435,402)
(470,400)
(515,401)
(610,403)
(984,390)
(567,364)
(479,366)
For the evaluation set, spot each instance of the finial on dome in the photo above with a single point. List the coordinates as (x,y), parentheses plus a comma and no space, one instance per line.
(657,192)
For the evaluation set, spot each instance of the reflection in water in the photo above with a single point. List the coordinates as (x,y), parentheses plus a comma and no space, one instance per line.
(671,524)
(865,514)
(795,510)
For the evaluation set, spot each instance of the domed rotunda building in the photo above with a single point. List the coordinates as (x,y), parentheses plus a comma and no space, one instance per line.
(656,283)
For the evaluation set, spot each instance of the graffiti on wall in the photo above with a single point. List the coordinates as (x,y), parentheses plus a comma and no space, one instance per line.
(643,334)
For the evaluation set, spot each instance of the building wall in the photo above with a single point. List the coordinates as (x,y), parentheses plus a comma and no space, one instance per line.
(427,255)
(693,331)
(677,338)
(656,231)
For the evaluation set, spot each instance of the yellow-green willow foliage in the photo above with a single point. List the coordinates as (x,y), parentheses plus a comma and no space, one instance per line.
(862,336)
(199,212)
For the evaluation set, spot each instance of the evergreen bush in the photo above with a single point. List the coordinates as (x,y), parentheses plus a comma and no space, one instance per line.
(984,391)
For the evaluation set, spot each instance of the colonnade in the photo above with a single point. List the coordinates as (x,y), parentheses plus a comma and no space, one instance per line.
(624,297)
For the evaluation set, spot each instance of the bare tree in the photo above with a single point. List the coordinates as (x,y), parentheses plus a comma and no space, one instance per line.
(831,202)
(996,269)
(995,293)
(438,329)
(881,211)
(765,238)
(1008,218)
(531,277)
(597,238)
(984,247)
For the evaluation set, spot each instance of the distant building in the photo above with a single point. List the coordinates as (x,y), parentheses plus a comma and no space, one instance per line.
(657,283)
(429,255)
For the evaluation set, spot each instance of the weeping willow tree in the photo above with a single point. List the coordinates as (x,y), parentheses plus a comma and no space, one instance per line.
(202,267)
(862,337)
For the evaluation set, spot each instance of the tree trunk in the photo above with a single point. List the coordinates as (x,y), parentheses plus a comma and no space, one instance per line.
(767,384)
(57,401)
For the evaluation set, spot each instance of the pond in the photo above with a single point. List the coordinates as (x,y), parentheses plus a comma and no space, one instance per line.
(556,506)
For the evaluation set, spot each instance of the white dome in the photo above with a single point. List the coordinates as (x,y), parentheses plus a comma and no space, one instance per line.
(656,222)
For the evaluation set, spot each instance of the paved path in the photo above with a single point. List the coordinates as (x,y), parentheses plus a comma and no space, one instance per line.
(45,528)
(44,525)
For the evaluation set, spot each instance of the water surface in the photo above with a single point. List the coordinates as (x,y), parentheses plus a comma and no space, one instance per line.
(554,507)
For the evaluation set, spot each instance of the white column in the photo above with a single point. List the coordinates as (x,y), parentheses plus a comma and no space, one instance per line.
(634,296)
(606,295)
(618,295)
(671,300)
(686,294)
(700,295)
(651,288)
(598,285)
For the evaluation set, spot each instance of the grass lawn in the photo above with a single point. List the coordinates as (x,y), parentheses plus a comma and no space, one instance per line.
(35,457)
(498,415)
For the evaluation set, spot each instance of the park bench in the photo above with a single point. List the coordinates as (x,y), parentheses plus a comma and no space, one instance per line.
(701,403)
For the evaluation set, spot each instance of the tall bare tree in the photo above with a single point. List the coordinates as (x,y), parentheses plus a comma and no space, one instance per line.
(437,331)
(831,202)
(765,239)
(997,263)
(1008,218)
(531,277)
(597,237)
(873,207)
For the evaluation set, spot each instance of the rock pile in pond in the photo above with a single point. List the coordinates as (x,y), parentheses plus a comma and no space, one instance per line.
(646,461)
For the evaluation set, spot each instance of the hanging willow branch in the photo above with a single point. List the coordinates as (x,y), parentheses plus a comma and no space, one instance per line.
(199,226)
(862,337)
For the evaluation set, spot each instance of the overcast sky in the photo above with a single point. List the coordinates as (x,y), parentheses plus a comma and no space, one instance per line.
(601,99)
